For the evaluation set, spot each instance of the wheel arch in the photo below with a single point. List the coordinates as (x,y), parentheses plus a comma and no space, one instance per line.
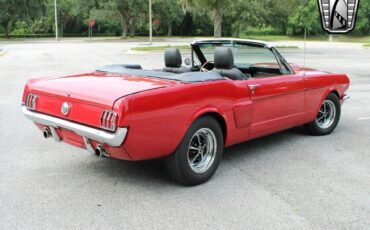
(335,92)
(215,113)
(221,121)
(326,94)
(330,90)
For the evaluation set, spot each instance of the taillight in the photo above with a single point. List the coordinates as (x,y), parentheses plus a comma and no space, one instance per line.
(31,100)
(108,120)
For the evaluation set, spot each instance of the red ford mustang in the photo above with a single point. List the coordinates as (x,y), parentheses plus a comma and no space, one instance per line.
(231,91)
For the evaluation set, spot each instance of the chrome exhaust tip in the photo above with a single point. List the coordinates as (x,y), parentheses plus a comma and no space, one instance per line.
(100,151)
(46,133)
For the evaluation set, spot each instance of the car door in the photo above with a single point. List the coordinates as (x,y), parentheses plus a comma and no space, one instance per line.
(277,102)
(278,99)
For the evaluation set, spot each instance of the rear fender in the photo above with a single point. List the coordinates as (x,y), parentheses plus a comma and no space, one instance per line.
(203,111)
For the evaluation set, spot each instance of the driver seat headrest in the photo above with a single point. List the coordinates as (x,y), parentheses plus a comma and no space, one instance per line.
(172,58)
(223,58)
(173,61)
(224,64)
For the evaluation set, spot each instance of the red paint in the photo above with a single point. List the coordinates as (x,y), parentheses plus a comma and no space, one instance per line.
(158,112)
(91,22)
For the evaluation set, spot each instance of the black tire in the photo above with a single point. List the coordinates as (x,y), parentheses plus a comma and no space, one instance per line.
(314,127)
(178,164)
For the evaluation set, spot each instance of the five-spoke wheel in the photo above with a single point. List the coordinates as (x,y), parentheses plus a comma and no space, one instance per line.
(327,118)
(202,150)
(199,153)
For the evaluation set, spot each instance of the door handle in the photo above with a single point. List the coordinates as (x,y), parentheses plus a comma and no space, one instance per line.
(252,87)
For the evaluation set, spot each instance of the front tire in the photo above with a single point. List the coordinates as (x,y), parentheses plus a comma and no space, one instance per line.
(328,117)
(197,157)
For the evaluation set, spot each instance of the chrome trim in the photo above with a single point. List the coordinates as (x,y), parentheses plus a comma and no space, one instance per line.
(346,97)
(46,133)
(65,108)
(54,134)
(108,120)
(88,145)
(113,139)
(31,101)
(101,152)
(202,150)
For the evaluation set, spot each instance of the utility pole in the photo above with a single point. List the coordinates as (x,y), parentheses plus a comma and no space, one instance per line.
(304,42)
(56,20)
(150,23)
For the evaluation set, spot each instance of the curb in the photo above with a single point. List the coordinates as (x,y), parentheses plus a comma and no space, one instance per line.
(2,52)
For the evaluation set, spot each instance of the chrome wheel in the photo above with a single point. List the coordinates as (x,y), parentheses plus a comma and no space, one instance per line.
(202,150)
(326,116)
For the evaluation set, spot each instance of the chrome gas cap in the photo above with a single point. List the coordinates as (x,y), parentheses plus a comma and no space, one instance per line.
(65,109)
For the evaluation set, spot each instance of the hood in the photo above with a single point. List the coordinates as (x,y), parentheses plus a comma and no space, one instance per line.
(98,88)
(306,71)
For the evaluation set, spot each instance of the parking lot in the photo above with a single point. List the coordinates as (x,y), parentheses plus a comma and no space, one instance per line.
(288,180)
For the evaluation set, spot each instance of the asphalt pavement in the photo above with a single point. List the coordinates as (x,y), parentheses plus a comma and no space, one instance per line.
(288,180)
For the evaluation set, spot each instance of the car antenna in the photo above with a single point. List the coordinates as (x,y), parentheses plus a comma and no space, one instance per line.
(304,43)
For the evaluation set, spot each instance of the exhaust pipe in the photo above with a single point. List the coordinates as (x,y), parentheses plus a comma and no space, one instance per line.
(46,133)
(100,151)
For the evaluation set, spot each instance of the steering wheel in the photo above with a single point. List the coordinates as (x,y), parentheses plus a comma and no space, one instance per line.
(203,69)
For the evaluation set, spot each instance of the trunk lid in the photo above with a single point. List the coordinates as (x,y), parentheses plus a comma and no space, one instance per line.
(99,88)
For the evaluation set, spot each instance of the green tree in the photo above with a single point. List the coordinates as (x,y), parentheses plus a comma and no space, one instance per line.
(244,14)
(363,18)
(169,12)
(14,10)
(216,6)
(276,13)
(130,12)
(305,16)
(8,11)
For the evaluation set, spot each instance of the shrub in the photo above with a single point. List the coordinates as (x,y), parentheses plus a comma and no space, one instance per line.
(260,31)
(21,28)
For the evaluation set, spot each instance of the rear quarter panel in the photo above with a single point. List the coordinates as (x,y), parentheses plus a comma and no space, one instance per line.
(159,119)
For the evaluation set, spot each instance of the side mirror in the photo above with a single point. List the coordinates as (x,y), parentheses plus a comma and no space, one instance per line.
(187,62)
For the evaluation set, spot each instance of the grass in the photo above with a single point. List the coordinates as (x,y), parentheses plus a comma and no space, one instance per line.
(282,38)
(186,47)
(324,38)
(367,45)
(287,47)
(159,48)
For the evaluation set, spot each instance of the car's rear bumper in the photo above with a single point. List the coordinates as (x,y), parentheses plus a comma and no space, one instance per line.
(88,133)
(344,98)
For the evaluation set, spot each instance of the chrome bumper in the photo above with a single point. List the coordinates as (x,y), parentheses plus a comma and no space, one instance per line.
(113,139)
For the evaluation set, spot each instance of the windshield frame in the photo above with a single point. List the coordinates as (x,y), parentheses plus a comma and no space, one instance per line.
(283,64)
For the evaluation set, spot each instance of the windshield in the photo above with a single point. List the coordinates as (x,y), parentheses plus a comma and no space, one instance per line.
(244,55)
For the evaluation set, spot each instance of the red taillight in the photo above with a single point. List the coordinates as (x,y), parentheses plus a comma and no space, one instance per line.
(108,120)
(31,101)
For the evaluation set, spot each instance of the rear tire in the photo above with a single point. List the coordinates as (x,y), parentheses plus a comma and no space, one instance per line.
(328,117)
(197,157)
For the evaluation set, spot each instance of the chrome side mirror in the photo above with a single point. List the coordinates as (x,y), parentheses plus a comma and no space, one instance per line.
(187,61)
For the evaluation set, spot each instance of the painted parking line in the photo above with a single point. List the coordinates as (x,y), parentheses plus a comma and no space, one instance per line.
(363,118)
(2,52)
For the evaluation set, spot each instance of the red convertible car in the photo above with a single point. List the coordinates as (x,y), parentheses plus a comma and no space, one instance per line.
(231,91)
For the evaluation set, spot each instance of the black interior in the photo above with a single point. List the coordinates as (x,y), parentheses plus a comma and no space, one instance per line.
(224,64)
(261,71)
(187,76)
(222,67)
(173,61)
